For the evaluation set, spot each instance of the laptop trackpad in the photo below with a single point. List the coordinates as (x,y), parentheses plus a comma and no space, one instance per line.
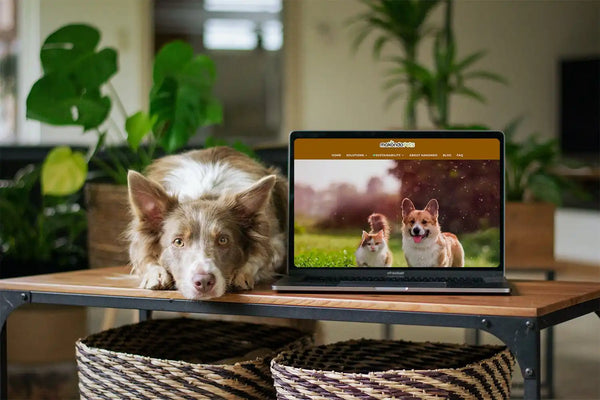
(392,284)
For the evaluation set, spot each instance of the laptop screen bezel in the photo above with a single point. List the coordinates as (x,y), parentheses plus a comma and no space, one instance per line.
(391,271)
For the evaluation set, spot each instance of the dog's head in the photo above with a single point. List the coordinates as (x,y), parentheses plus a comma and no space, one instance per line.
(420,224)
(202,243)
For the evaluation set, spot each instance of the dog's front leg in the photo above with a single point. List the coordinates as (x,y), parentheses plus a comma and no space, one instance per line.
(156,277)
(243,279)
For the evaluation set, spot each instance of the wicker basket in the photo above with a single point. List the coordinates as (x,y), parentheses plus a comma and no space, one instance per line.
(384,369)
(183,359)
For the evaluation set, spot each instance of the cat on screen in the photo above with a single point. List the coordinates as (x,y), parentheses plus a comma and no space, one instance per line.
(373,249)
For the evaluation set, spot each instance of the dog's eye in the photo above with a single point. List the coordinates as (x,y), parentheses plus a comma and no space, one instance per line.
(412,221)
(178,242)
(424,222)
(223,240)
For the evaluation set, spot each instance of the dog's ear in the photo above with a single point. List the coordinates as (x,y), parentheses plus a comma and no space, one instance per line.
(148,199)
(433,207)
(254,199)
(407,207)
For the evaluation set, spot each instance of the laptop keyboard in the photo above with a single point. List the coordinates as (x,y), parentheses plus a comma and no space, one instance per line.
(466,281)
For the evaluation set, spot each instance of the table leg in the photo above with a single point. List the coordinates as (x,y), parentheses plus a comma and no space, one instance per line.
(550,276)
(145,315)
(3,362)
(472,336)
(529,360)
(9,301)
(387,331)
(522,336)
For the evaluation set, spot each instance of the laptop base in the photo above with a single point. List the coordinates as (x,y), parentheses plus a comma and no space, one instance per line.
(302,284)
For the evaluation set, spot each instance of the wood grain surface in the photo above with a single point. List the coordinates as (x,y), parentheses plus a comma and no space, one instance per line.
(529,298)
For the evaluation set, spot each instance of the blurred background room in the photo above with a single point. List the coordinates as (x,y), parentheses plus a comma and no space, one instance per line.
(529,68)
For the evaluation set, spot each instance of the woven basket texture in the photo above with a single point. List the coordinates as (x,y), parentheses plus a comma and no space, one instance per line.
(385,369)
(183,359)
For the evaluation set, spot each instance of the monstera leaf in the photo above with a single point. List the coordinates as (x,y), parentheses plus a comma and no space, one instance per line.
(69,92)
(181,98)
(137,127)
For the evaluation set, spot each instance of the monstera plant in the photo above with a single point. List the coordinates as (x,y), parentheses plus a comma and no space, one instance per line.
(75,89)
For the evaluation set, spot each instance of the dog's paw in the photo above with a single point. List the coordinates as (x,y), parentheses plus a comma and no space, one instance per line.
(243,281)
(156,278)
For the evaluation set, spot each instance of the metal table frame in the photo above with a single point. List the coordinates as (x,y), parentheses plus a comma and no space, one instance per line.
(520,334)
(473,336)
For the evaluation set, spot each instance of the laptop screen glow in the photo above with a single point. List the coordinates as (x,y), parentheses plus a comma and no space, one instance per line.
(402,202)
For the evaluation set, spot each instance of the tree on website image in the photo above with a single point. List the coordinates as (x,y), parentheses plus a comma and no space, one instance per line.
(468,194)
(334,198)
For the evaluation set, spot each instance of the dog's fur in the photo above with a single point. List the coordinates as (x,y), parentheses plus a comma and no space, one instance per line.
(207,221)
(424,243)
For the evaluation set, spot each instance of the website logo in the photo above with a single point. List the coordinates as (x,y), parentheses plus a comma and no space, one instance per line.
(396,145)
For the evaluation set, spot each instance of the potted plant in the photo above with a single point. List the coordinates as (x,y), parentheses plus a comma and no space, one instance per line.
(41,234)
(534,188)
(405,23)
(75,89)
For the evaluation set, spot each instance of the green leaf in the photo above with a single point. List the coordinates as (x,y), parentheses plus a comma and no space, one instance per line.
(470,93)
(244,148)
(393,97)
(95,69)
(170,59)
(486,75)
(511,128)
(55,100)
(469,60)
(212,141)
(545,188)
(65,45)
(181,98)
(138,126)
(214,112)
(390,83)
(69,92)
(378,46)
(63,172)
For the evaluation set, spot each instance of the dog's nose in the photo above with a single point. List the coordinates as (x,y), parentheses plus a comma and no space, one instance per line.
(203,282)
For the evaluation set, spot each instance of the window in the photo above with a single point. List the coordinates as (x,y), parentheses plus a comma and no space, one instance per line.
(244,38)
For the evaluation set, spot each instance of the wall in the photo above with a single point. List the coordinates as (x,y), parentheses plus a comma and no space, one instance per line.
(577,235)
(333,88)
(124,25)
(524,40)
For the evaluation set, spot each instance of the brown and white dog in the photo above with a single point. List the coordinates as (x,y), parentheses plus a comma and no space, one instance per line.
(207,221)
(424,243)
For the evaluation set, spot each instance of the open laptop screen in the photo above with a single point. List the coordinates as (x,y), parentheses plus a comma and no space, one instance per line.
(396,200)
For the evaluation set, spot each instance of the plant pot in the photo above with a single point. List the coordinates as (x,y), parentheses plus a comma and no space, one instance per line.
(108,218)
(529,234)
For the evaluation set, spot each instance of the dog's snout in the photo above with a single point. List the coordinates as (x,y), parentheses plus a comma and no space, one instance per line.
(204,282)
(416,230)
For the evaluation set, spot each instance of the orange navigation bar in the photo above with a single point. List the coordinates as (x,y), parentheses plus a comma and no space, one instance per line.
(402,149)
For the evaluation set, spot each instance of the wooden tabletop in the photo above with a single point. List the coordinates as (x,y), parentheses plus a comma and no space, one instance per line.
(529,298)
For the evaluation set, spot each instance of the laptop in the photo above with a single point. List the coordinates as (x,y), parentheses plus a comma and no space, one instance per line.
(396,212)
